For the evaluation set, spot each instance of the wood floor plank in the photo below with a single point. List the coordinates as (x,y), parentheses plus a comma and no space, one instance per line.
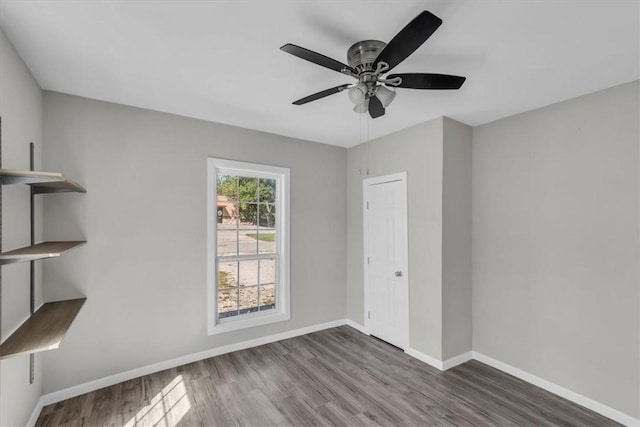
(49,419)
(335,377)
(104,408)
(72,410)
(298,413)
(209,404)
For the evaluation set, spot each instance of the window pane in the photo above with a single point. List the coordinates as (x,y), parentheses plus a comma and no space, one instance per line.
(248,215)
(248,273)
(248,189)
(267,271)
(267,190)
(227,302)
(246,199)
(267,297)
(232,226)
(227,214)
(267,215)
(228,274)
(266,242)
(227,186)
(248,299)
(248,242)
(267,231)
(227,242)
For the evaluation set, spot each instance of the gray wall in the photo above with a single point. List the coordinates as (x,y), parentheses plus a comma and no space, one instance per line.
(456,239)
(555,244)
(144,216)
(437,158)
(417,150)
(555,237)
(21,112)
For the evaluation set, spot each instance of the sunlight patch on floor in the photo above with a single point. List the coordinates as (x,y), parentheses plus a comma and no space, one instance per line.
(166,409)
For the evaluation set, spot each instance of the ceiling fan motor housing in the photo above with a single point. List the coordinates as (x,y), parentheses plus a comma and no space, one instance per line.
(363,54)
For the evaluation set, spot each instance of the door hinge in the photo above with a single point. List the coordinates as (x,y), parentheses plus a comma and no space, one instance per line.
(369,314)
(367,205)
(367,260)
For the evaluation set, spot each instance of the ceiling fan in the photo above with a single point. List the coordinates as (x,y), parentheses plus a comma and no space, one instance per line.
(369,60)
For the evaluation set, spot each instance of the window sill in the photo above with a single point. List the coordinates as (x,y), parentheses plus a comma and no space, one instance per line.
(247,321)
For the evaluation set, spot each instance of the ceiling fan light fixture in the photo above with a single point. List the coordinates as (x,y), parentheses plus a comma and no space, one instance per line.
(362,107)
(357,93)
(385,95)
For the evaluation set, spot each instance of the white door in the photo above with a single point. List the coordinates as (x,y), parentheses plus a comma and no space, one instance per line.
(385,258)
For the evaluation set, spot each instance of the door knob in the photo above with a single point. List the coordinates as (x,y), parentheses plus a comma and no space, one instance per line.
(398,273)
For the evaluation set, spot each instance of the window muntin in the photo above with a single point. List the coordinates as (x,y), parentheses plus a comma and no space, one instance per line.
(249,235)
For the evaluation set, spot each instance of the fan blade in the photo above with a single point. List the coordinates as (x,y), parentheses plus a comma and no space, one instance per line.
(321,94)
(375,107)
(409,39)
(428,81)
(316,58)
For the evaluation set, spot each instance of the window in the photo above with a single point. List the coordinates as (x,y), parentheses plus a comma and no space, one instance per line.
(248,248)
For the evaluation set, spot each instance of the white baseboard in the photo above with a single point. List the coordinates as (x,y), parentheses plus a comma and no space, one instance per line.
(432,361)
(36,413)
(457,360)
(90,386)
(581,400)
(595,406)
(443,366)
(425,358)
(357,326)
(439,364)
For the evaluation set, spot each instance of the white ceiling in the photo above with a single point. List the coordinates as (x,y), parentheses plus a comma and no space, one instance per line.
(220,60)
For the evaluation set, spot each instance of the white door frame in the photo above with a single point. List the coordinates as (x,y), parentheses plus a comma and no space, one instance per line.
(402,177)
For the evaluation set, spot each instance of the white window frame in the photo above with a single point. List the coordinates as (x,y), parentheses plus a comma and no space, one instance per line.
(282,311)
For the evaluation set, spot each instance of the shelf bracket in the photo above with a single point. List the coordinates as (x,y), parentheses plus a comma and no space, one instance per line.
(32,264)
(1,229)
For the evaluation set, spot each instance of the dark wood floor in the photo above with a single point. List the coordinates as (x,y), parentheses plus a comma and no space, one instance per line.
(333,377)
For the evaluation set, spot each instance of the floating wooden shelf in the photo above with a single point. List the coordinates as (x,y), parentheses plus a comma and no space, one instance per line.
(41,182)
(39,251)
(44,330)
